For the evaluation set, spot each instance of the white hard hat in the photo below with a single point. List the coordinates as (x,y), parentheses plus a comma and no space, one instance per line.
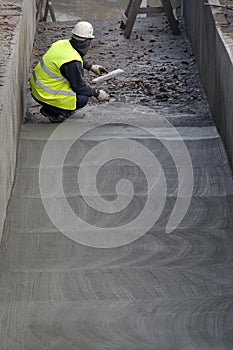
(83,30)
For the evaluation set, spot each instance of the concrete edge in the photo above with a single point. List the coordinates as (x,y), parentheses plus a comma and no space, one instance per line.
(17,37)
(213,48)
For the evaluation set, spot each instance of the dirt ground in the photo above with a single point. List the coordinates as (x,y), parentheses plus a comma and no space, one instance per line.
(160,69)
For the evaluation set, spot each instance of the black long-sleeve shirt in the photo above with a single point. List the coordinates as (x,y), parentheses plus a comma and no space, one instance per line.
(74,72)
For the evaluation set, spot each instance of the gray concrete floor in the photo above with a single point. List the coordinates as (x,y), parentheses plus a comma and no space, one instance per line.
(162,291)
(90,9)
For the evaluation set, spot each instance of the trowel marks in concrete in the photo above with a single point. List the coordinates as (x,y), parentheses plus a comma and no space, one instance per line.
(162,291)
(122,147)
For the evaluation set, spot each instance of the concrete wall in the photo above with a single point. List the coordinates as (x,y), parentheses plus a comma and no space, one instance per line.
(214,52)
(16,36)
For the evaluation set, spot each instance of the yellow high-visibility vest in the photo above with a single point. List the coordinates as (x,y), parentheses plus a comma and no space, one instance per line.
(47,83)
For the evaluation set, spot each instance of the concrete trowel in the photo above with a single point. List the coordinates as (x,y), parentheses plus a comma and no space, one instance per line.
(108,76)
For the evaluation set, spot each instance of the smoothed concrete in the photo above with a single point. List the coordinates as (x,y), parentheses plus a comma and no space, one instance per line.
(213,48)
(162,291)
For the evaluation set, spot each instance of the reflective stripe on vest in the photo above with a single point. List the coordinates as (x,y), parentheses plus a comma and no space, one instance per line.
(48,85)
(51,91)
(52,75)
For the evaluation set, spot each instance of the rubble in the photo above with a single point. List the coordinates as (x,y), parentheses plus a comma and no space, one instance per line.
(160,69)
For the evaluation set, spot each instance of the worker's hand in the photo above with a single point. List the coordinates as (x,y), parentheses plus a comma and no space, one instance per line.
(95,68)
(103,96)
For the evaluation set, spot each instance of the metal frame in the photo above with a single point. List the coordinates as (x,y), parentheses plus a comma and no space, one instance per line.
(43,8)
(133,9)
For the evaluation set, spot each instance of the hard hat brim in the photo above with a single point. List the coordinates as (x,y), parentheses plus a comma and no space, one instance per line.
(80,37)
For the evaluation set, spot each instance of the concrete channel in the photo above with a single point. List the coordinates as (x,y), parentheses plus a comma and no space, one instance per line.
(136,252)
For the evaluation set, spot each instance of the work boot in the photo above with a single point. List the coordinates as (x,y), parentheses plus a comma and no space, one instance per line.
(53,117)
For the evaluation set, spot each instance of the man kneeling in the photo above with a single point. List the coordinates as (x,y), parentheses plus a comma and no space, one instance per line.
(57,81)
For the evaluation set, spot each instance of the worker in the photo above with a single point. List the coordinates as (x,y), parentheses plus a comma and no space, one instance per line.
(57,81)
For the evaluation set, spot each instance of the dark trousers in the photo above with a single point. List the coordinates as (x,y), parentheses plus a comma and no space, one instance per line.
(60,113)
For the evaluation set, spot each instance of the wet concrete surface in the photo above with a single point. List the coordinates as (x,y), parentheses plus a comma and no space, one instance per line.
(89,9)
(162,291)
(160,69)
